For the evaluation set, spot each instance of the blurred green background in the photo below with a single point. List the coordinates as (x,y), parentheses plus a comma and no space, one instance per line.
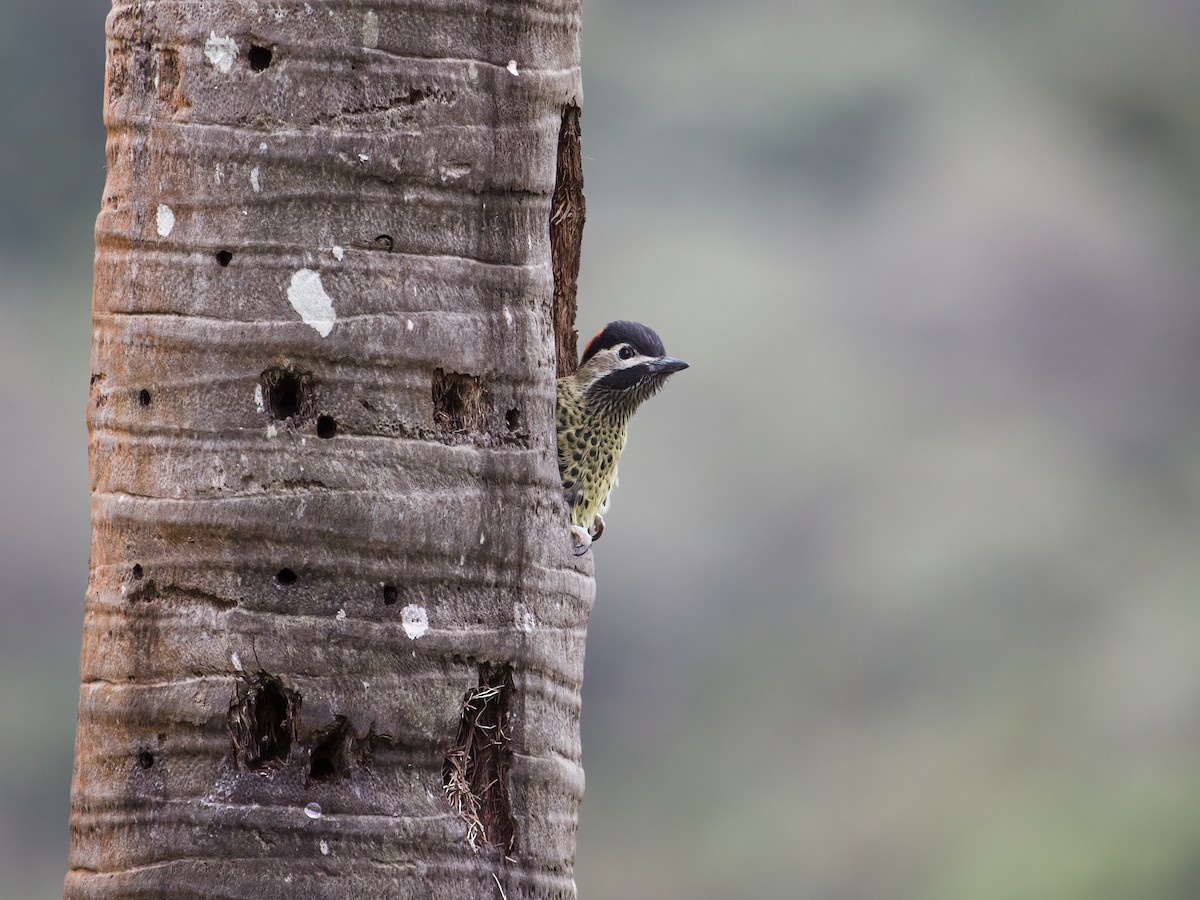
(899,593)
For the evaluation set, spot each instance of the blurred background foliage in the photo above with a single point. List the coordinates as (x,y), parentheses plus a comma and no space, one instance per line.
(899,594)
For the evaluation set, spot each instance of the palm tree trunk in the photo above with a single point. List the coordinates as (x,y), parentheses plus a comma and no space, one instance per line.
(334,631)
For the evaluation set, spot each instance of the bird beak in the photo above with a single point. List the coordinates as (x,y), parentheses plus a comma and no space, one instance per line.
(665,365)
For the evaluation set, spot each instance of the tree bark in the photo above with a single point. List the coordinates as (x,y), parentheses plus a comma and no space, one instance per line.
(334,630)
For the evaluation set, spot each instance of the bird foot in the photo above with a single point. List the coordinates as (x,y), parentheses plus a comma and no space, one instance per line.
(597,527)
(581,539)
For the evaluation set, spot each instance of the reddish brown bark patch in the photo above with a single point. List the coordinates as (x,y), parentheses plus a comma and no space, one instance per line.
(475,773)
(567,213)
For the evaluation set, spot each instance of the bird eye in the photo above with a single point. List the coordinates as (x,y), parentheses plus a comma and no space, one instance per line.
(626,352)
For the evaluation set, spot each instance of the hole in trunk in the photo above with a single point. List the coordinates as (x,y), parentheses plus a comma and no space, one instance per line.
(287,394)
(326,427)
(475,772)
(329,759)
(262,721)
(260,57)
(224,257)
(461,403)
(285,577)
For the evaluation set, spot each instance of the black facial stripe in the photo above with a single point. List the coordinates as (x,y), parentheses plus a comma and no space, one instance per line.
(641,338)
(622,378)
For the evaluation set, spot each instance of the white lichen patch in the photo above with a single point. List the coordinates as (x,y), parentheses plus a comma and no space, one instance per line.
(220,52)
(415,621)
(338,253)
(524,618)
(236,660)
(472,70)
(324,845)
(272,431)
(508,316)
(370,29)
(512,67)
(254,182)
(307,296)
(258,399)
(409,325)
(164,219)
(340,615)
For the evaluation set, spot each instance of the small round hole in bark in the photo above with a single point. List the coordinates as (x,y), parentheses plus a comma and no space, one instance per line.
(326,427)
(513,418)
(390,594)
(143,397)
(145,759)
(136,571)
(224,257)
(285,577)
(260,57)
(385,242)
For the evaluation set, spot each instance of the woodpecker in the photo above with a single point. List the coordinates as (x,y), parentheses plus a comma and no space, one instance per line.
(621,368)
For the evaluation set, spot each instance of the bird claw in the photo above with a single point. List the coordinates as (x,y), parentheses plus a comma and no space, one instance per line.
(597,527)
(581,539)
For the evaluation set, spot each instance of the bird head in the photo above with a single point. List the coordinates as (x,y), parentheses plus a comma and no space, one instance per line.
(624,365)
